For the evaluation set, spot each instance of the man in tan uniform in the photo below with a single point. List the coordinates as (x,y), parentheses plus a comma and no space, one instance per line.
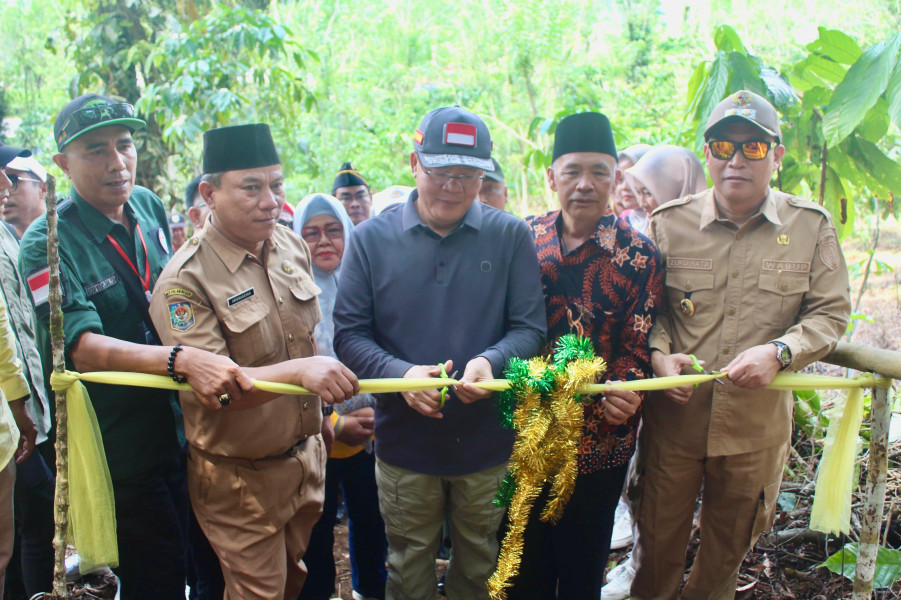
(755,283)
(242,287)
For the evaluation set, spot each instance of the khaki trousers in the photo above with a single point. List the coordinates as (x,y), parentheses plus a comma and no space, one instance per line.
(738,504)
(258,516)
(414,507)
(7,525)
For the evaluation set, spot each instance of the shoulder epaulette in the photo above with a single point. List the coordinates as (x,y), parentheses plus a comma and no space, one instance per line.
(801,203)
(677,202)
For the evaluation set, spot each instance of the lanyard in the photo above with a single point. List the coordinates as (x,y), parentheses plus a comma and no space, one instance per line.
(145,280)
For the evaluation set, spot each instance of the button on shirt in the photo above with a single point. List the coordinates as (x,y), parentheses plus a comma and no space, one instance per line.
(216,296)
(408,296)
(780,276)
(137,424)
(21,312)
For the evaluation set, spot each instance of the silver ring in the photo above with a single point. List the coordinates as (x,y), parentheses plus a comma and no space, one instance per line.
(225,399)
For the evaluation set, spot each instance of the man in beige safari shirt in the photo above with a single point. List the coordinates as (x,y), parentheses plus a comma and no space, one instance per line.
(242,287)
(755,284)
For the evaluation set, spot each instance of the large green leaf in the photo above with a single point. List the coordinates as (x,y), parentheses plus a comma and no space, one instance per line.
(837,45)
(879,166)
(727,40)
(863,84)
(832,201)
(714,92)
(875,124)
(744,74)
(893,95)
(779,89)
(888,564)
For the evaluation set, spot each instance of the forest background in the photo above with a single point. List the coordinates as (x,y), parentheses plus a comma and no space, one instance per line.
(340,80)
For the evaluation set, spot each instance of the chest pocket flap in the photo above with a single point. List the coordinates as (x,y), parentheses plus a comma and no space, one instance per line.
(305,289)
(784,283)
(246,314)
(689,281)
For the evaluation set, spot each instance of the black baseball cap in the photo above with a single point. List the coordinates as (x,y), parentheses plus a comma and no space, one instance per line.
(497,174)
(8,153)
(453,136)
(91,111)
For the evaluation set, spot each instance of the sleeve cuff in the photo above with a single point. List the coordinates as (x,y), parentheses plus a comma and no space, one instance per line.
(15,387)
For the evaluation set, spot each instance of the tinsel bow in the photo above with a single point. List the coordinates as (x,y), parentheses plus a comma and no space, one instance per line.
(544,408)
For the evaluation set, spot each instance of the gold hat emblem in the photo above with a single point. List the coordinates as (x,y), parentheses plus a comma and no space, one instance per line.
(287,267)
(741,99)
(687,307)
(783,239)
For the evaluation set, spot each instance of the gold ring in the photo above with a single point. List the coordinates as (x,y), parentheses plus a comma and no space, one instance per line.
(225,399)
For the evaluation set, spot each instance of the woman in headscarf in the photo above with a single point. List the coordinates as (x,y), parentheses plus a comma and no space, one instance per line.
(662,174)
(623,199)
(322,222)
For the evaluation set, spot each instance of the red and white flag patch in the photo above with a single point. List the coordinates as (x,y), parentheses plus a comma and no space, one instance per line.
(39,284)
(461,134)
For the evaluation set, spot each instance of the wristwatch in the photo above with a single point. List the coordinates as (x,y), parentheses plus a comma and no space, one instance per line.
(783,355)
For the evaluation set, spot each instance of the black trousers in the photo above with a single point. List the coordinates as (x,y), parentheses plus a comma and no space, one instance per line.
(567,560)
(149,510)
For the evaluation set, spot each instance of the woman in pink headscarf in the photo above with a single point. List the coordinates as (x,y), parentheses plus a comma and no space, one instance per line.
(664,173)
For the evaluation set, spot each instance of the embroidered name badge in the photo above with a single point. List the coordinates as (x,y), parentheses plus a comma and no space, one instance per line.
(181,316)
(790,266)
(95,288)
(240,297)
(694,264)
(179,292)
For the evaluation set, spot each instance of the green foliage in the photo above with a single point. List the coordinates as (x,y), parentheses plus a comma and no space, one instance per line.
(888,564)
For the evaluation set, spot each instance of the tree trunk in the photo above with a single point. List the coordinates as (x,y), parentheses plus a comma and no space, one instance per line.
(877,469)
(57,341)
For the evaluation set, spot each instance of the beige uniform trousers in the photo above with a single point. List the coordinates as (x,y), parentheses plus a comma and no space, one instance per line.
(258,516)
(738,504)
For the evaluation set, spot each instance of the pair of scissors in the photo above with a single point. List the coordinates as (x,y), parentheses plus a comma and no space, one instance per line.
(697,367)
(444,375)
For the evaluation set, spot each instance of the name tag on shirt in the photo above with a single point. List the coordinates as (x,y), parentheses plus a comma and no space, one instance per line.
(241,296)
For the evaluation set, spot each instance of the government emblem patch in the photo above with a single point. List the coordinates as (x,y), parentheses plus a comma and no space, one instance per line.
(181,316)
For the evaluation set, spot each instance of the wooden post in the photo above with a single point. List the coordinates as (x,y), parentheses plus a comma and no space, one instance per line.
(57,342)
(877,469)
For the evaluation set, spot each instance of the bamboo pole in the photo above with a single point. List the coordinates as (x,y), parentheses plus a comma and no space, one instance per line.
(57,342)
(877,469)
(866,359)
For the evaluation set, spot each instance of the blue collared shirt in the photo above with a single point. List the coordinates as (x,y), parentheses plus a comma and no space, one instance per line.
(408,296)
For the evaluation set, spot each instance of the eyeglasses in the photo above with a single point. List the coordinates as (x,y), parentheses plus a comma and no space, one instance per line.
(97,113)
(15,179)
(442,178)
(312,235)
(752,149)
(361,196)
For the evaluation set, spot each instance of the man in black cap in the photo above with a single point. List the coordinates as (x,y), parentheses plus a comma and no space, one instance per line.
(352,190)
(243,287)
(601,281)
(440,279)
(494,191)
(113,242)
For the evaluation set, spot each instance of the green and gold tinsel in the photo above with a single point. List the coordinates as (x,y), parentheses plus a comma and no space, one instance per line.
(543,405)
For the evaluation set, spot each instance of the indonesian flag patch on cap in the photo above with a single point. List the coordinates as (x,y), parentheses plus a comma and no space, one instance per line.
(418,136)
(460,134)
(39,284)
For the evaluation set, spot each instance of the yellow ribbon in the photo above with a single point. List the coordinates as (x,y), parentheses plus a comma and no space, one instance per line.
(92,505)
